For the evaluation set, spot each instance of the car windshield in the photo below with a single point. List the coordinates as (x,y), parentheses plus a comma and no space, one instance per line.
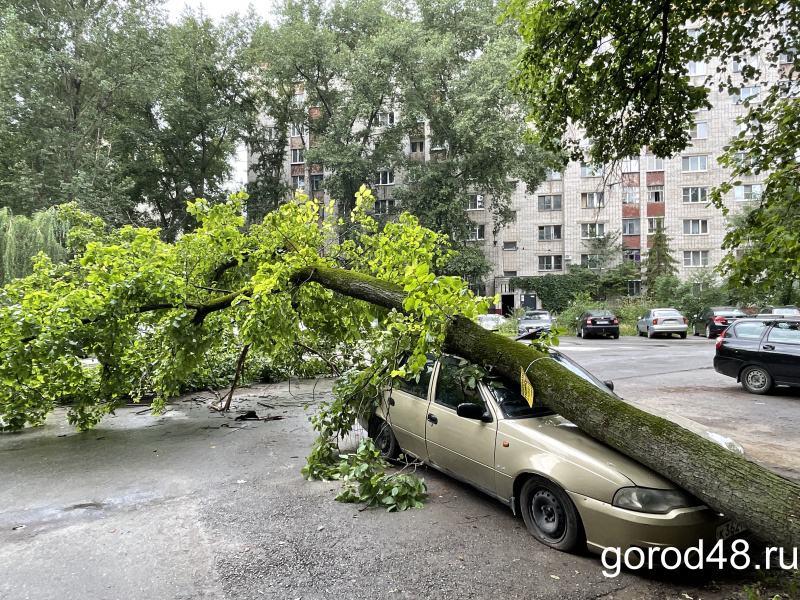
(599,313)
(579,371)
(785,311)
(513,405)
(666,313)
(536,316)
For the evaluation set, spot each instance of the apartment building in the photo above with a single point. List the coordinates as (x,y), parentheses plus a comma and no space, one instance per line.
(555,223)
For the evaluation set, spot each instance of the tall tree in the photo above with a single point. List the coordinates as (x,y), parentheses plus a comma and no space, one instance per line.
(659,260)
(65,69)
(617,73)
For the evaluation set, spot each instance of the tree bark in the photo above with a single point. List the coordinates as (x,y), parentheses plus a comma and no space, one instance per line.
(756,498)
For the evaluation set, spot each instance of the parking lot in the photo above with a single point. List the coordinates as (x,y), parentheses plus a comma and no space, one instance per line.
(193,504)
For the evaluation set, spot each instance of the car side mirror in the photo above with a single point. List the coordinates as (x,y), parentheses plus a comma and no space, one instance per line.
(577,318)
(468,410)
(609,385)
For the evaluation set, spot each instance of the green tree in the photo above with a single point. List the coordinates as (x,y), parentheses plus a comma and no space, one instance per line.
(150,310)
(21,239)
(659,260)
(617,73)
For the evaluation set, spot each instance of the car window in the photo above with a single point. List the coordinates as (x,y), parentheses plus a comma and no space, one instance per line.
(417,388)
(452,390)
(532,316)
(784,311)
(513,405)
(599,313)
(731,313)
(579,371)
(787,333)
(750,331)
(666,313)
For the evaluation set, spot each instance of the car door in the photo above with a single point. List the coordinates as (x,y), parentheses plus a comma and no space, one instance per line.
(407,405)
(742,346)
(641,324)
(461,446)
(780,351)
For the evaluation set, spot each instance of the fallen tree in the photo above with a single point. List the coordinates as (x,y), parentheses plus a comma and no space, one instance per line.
(148,310)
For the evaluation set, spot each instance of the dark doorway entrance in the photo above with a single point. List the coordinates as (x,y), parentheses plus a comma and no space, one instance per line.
(507,300)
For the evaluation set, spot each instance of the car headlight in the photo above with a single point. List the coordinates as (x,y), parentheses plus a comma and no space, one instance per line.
(652,501)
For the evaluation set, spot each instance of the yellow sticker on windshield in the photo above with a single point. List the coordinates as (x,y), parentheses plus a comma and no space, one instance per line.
(526,387)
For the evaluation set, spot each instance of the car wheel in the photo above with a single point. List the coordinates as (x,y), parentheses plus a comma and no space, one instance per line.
(694,329)
(616,336)
(584,334)
(578,332)
(756,380)
(550,515)
(683,336)
(383,437)
(650,333)
(709,334)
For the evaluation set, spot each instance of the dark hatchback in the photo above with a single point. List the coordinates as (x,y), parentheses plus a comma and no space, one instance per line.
(597,322)
(715,319)
(761,352)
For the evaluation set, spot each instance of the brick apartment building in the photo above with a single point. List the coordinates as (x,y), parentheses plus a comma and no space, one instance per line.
(555,222)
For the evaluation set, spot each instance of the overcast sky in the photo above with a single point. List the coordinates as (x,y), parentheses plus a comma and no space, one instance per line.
(218,8)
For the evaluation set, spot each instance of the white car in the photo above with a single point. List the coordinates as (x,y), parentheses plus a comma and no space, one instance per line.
(662,320)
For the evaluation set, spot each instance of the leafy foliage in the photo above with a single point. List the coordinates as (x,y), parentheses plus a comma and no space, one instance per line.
(659,260)
(556,291)
(21,239)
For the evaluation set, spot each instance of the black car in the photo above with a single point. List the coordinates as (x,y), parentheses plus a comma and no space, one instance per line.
(715,319)
(597,322)
(761,352)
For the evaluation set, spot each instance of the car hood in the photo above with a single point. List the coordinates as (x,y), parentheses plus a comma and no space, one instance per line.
(535,322)
(564,439)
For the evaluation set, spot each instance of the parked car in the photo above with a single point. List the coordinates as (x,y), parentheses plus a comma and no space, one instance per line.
(789,309)
(714,320)
(491,322)
(534,321)
(597,322)
(662,320)
(573,491)
(761,352)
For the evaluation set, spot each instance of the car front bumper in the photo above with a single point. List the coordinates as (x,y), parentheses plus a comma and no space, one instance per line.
(608,526)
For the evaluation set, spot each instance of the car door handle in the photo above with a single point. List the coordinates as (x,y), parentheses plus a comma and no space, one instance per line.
(432,418)
(391,401)
(768,347)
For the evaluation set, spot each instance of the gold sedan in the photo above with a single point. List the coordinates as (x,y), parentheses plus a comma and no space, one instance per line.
(572,491)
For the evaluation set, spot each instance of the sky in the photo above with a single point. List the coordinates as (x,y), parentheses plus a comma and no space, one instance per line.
(218,8)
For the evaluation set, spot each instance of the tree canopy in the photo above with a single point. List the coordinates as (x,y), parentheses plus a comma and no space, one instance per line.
(618,74)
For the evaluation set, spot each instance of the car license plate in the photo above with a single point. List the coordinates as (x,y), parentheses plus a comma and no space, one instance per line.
(728,529)
(670,321)
(603,322)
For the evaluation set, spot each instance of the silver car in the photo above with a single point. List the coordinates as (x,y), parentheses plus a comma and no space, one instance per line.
(534,321)
(662,321)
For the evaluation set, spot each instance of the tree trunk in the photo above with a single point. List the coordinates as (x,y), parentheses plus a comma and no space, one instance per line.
(756,498)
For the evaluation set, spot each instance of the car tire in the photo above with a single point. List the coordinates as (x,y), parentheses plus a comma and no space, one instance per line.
(615,336)
(650,333)
(578,332)
(683,336)
(638,332)
(584,334)
(709,334)
(383,438)
(756,380)
(694,329)
(550,515)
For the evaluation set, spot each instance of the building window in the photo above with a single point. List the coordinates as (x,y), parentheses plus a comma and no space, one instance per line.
(417,146)
(695,226)
(271,133)
(695,194)
(698,288)
(695,258)
(787,58)
(696,68)
(384,207)
(297,156)
(316,182)
(630,226)
(593,200)
(630,165)
(743,161)
(592,261)
(654,224)
(654,163)
(634,288)
(550,263)
(550,232)
(384,178)
(747,192)
(552,175)
(296,130)
(740,62)
(477,233)
(746,94)
(589,170)
(509,273)
(475,202)
(630,195)
(298,182)
(655,193)
(699,131)
(631,254)
(789,88)
(592,230)
(694,163)
(383,119)
(550,202)
(299,98)
(509,245)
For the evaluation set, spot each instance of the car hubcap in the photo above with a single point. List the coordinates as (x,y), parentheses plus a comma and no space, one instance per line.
(756,380)
(383,441)
(548,514)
